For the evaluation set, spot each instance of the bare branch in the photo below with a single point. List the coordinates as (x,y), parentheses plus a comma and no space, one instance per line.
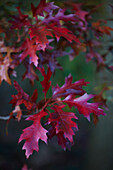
(14,117)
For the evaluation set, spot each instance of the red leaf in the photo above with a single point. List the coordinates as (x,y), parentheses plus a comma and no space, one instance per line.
(63,121)
(58,17)
(83,106)
(33,133)
(43,6)
(23,98)
(34,96)
(40,32)
(79,12)
(29,49)
(62,141)
(69,88)
(19,21)
(63,32)
(103,29)
(45,83)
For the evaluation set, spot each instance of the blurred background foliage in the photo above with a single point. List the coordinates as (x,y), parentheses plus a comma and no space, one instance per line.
(93,148)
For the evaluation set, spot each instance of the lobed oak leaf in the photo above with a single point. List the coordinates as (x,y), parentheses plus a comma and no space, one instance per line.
(83,106)
(43,6)
(69,88)
(58,17)
(63,32)
(33,133)
(62,141)
(40,33)
(19,21)
(29,48)
(45,83)
(63,121)
(23,98)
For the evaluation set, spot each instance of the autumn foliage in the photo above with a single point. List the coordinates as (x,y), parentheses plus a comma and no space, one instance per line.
(39,39)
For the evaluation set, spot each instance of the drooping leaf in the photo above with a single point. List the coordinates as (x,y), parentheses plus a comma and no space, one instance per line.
(45,83)
(83,106)
(33,133)
(62,141)
(63,121)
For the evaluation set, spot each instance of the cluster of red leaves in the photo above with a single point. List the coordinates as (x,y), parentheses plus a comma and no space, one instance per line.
(53,109)
(45,37)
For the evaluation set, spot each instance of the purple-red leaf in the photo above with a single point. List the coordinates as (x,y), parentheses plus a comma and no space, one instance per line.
(62,141)
(58,17)
(23,98)
(19,21)
(63,121)
(33,133)
(43,6)
(83,106)
(63,32)
(30,73)
(69,88)
(46,83)
(29,48)
(40,33)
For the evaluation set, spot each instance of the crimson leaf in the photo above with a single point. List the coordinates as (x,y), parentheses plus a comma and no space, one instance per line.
(29,48)
(83,106)
(43,6)
(63,121)
(63,32)
(45,83)
(33,133)
(69,87)
(23,98)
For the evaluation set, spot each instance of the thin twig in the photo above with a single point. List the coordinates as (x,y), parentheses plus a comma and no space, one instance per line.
(4,117)
(7,117)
